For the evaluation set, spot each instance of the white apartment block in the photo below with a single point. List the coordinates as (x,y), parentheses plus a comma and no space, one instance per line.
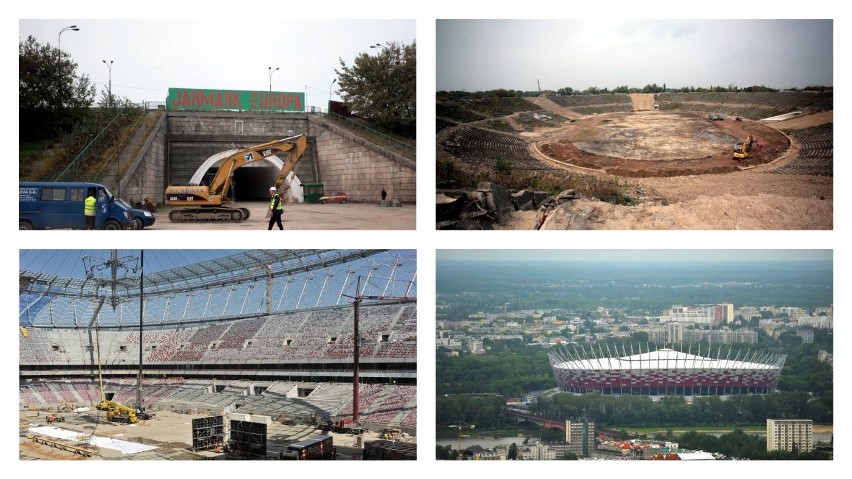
(789,435)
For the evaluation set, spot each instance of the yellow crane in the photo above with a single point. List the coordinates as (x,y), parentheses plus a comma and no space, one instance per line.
(461,425)
(115,411)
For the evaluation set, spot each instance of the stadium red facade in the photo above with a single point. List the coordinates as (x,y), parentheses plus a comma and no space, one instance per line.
(665,372)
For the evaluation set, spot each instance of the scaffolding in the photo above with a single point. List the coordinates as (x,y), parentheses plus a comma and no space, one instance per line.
(208,433)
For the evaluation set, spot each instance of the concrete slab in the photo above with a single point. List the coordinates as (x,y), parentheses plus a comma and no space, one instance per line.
(124,447)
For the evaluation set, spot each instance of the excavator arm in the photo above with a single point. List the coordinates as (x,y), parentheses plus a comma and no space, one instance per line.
(295,145)
(741,152)
(205,202)
(295,154)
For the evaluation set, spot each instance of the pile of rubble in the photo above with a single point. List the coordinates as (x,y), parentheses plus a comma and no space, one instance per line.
(489,204)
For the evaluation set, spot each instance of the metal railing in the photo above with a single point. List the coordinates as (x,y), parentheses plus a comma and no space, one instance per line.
(387,140)
(75,171)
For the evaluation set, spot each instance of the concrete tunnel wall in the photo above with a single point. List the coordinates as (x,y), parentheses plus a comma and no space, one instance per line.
(185,140)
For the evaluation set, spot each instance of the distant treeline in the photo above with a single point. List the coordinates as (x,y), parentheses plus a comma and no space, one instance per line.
(593,90)
(469,287)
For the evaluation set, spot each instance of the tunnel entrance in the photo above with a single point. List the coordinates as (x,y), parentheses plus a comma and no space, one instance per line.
(252,183)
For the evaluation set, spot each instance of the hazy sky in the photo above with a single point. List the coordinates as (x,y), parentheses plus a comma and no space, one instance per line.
(636,255)
(477,55)
(149,56)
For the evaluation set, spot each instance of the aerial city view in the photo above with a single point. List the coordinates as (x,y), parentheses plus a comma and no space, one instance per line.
(634,354)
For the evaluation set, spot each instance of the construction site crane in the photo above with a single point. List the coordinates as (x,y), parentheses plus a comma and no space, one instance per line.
(461,425)
(207,203)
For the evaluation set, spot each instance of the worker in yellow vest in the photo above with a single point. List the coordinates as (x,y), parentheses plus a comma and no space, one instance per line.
(90,209)
(276,206)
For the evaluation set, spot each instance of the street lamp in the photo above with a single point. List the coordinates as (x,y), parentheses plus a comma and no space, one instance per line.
(59,55)
(59,38)
(109,65)
(329,92)
(271,71)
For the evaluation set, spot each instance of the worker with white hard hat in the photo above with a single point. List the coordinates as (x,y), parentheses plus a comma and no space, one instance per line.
(276,206)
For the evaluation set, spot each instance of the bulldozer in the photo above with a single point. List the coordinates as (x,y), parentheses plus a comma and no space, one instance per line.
(741,152)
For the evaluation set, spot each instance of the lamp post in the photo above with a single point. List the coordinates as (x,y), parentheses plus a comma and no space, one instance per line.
(59,53)
(109,65)
(271,71)
(329,92)
(59,38)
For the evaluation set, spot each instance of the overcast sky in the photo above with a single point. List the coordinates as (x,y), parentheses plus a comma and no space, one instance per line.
(478,55)
(149,56)
(636,255)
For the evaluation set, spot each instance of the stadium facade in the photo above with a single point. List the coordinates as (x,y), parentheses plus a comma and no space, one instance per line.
(665,372)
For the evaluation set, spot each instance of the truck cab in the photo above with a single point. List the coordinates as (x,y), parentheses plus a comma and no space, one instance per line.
(60,205)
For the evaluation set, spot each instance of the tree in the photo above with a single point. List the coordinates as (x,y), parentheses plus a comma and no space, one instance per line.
(513,452)
(444,453)
(383,87)
(640,336)
(51,97)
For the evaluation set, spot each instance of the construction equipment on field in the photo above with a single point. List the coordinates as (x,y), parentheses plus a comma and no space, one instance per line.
(52,418)
(115,411)
(741,152)
(120,413)
(207,203)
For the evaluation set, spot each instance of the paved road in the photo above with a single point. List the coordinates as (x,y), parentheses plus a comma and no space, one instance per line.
(303,216)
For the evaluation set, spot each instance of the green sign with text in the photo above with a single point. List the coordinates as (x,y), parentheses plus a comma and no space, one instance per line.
(197,99)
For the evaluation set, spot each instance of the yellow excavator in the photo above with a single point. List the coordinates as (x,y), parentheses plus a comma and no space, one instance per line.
(207,203)
(741,152)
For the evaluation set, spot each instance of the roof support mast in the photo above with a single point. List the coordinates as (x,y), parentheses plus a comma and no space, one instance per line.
(141,309)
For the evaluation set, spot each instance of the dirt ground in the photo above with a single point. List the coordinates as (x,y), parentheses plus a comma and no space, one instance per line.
(171,432)
(749,198)
(304,216)
(653,143)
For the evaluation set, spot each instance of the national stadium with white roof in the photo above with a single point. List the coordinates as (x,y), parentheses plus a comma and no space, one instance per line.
(665,371)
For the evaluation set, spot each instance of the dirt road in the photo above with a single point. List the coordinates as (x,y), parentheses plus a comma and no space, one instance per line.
(304,216)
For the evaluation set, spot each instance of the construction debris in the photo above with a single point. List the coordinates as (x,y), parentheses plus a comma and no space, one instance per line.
(489,204)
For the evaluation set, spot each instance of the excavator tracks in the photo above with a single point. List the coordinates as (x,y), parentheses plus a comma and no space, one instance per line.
(209,215)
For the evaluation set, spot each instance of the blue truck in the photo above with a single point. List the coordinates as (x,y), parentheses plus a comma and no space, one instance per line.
(59,205)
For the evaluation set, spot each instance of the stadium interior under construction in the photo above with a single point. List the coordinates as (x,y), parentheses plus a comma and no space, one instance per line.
(218,354)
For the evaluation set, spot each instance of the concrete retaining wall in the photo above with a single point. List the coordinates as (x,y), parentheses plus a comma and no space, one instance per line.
(181,142)
(145,177)
(361,172)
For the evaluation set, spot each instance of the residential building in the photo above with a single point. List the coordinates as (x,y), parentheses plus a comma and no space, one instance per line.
(793,435)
